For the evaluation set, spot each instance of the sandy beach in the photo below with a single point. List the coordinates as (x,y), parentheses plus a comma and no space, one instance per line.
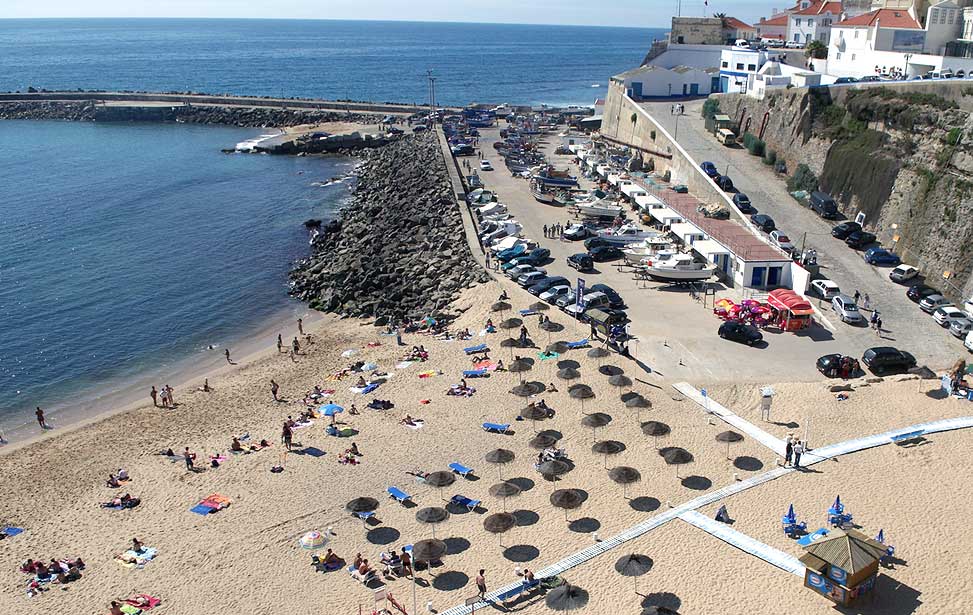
(249,556)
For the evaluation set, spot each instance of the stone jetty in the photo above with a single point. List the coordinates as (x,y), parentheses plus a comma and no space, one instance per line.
(400,251)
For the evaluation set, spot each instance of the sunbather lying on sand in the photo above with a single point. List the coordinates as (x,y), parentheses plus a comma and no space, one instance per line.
(125,501)
(411,422)
(459,390)
(381,404)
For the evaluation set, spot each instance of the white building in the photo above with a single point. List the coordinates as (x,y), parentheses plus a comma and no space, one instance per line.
(944,23)
(812,21)
(773,29)
(737,64)
(777,75)
(652,81)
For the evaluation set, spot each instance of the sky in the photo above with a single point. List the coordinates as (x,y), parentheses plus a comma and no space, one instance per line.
(634,13)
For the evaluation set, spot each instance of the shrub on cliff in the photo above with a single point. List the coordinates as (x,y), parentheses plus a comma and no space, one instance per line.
(755,146)
(710,108)
(770,158)
(802,179)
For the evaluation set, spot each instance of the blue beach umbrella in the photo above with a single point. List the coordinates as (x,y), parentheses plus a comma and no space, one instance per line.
(331,410)
(790,512)
(837,507)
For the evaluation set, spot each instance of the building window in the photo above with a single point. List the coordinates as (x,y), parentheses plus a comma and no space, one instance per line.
(852,57)
(856,33)
(797,23)
(797,38)
(838,57)
(726,64)
(950,17)
(739,66)
(751,67)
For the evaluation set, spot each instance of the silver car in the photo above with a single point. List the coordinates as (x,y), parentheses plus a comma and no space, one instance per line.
(846,309)
(960,327)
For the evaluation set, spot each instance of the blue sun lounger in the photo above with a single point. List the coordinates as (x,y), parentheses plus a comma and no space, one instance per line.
(11,531)
(398,495)
(476,349)
(497,427)
(460,469)
(476,373)
(462,500)
(516,591)
(365,516)
(578,344)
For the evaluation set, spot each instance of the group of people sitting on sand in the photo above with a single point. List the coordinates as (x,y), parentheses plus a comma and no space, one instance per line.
(314,396)
(550,454)
(56,571)
(418,353)
(380,404)
(237,447)
(396,564)
(116,480)
(350,455)
(461,390)
(139,602)
(329,561)
(122,501)
(460,335)
(542,405)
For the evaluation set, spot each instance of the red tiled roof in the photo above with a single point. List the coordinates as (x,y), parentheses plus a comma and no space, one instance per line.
(819,8)
(777,20)
(736,24)
(886,18)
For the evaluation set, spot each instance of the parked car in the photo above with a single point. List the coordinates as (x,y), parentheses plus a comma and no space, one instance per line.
(847,309)
(536,257)
(709,168)
(602,320)
(945,315)
(485,165)
(515,272)
(740,332)
(933,302)
(961,327)
(725,183)
(887,360)
(859,239)
(680,188)
(551,294)
(823,204)
(510,253)
(544,285)
(615,300)
(515,262)
(844,229)
(743,203)
(869,79)
(589,301)
(567,299)
(605,253)
(595,242)
(830,364)
(881,257)
(782,241)
(764,222)
(903,273)
(531,278)
(581,261)
(842,80)
(576,232)
(826,289)
(919,292)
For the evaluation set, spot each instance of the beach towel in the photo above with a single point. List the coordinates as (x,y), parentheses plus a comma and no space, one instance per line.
(129,609)
(428,374)
(202,509)
(365,390)
(419,423)
(153,601)
(543,356)
(404,364)
(303,424)
(487,365)
(219,458)
(313,451)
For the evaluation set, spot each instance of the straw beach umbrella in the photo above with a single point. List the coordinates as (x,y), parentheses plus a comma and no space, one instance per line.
(503,491)
(440,480)
(567,499)
(611,370)
(499,523)
(568,373)
(362,504)
(511,323)
(624,476)
(730,437)
(429,550)
(553,468)
(551,327)
(638,402)
(634,565)
(538,306)
(607,447)
(533,414)
(599,353)
(655,429)
(500,306)
(565,598)
(499,457)
(557,348)
(527,389)
(432,515)
(520,367)
(581,392)
(620,381)
(594,421)
(542,441)
(676,456)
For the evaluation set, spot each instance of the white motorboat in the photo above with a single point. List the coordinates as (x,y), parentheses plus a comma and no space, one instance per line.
(491,209)
(670,266)
(602,208)
(650,246)
(626,234)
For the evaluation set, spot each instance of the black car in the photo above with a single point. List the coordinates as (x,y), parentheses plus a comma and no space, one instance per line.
(920,291)
(859,239)
(605,253)
(739,332)
(581,262)
(764,222)
(888,360)
(725,183)
(595,242)
(832,365)
(844,229)
(546,284)
(614,299)
(743,203)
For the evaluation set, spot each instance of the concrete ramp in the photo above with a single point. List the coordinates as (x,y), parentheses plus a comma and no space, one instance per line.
(727,534)
(714,407)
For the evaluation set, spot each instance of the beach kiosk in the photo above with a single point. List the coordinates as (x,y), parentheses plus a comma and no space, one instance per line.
(843,565)
(793,311)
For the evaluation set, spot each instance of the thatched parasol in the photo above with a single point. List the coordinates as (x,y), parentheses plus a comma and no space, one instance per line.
(730,437)
(594,421)
(620,381)
(580,392)
(538,306)
(566,597)
(542,441)
(611,370)
(511,323)
(557,348)
(499,457)
(521,367)
(676,456)
(429,550)
(638,402)
(503,491)
(500,306)
(568,373)
(553,468)
(527,389)
(440,479)
(599,353)
(362,505)
(608,447)
(655,429)
(499,523)
(432,516)
(634,565)
(624,476)
(533,414)
(567,499)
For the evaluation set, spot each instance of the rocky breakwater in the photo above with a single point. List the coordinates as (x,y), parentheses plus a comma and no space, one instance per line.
(400,251)
(48,110)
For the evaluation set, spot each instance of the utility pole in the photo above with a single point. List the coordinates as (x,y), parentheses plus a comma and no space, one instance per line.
(429,89)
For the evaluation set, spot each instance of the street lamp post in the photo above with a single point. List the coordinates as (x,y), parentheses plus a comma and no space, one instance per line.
(908,56)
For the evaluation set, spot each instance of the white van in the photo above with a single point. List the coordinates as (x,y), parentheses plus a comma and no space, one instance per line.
(968,342)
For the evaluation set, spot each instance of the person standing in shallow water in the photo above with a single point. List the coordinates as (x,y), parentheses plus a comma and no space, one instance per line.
(227,353)
(40,418)
(155,396)
(300,326)
(280,343)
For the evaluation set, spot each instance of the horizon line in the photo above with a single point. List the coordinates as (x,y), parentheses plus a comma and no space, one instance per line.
(433,21)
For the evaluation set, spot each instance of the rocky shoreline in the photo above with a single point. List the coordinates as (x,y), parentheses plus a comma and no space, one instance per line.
(244,117)
(400,251)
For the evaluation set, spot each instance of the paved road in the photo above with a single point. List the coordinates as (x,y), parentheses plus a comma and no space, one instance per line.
(906,326)
(677,335)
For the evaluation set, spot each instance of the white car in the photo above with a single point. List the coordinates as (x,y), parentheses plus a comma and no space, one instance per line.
(794,45)
(485,165)
(519,270)
(846,309)
(782,241)
(826,289)
(531,277)
(903,273)
(576,232)
(933,302)
(551,294)
(945,315)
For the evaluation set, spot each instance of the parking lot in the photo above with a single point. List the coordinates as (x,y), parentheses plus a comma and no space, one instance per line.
(677,335)
(905,325)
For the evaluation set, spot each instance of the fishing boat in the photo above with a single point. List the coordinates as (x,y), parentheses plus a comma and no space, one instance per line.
(626,234)
(552,177)
(541,194)
(638,254)
(602,208)
(676,267)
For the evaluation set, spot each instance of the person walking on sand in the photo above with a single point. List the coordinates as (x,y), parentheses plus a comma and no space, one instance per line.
(287,435)
(788,451)
(155,397)
(40,418)
(188,456)
(300,326)
(273,389)
(798,451)
(226,352)
(481,583)
(296,345)
(866,301)
(858,296)
(878,326)
(169,396)
(545,231)
(280,344)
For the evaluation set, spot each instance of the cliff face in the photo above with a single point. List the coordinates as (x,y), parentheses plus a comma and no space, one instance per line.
(902,157)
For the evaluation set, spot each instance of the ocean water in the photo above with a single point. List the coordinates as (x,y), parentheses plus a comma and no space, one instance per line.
(125,248)
(358,60)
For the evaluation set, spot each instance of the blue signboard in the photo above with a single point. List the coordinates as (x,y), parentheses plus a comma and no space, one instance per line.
(579,296)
